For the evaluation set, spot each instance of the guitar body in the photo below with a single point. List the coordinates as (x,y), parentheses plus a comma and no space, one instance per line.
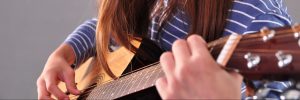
(121,62)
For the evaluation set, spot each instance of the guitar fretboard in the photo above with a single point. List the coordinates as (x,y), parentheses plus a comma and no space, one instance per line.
(128,84)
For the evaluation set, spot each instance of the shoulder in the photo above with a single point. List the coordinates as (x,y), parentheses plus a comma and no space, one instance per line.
(93,20)
(90,22)
(256,7)
(260,8)
(245,13)
(87,27)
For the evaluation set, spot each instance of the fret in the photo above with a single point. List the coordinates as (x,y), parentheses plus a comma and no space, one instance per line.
(143,78)
(109,90)
(160,73)
(104,90)
(156,75)
(134,82)
(125,80)
(121,89)
(101,89)
(139,80)
(127,85)
(115,87)
(148,75)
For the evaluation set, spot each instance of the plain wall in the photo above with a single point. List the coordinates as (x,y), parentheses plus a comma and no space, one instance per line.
(31,29)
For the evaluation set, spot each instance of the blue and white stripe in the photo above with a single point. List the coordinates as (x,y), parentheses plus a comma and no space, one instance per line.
(82,40)
(246,16)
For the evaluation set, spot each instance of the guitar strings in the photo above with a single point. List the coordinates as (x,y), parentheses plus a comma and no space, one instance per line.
(86,90)
(150,70)
(83,91)
(153,69)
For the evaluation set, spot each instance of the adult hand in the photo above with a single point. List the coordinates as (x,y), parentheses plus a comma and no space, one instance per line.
(192,73)
(56,69)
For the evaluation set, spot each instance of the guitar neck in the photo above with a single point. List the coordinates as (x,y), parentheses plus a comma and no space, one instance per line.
(133,82)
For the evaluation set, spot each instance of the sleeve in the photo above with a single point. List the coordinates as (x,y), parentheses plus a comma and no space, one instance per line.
(82,41)
(270,20)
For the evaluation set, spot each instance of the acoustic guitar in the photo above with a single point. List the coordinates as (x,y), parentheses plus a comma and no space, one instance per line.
(271,54)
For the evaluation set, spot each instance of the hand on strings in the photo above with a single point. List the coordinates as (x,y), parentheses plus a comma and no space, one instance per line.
(192,73)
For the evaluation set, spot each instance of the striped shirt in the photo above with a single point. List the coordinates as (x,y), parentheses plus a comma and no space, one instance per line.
(246,16)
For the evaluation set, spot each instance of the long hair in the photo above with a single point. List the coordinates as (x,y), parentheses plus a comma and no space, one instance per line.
(123,20)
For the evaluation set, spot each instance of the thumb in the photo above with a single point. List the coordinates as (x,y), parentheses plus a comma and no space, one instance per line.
(69,78)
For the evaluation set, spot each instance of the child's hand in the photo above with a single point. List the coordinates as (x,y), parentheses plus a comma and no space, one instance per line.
(191,73)
(56,69)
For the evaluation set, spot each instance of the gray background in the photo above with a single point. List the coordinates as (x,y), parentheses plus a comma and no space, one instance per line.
(31,29)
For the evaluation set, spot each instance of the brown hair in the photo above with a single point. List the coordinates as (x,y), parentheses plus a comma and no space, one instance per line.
(125,19)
